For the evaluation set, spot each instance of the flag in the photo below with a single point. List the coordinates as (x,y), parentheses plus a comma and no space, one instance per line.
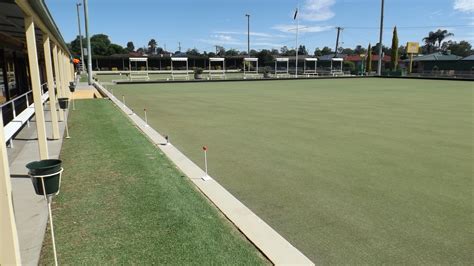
(296,14)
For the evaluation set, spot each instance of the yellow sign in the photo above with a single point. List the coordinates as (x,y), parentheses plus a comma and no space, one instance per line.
(413,47)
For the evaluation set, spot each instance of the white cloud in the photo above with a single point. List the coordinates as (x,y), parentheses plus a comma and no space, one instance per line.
(301,28)
(464,6)
(318,10)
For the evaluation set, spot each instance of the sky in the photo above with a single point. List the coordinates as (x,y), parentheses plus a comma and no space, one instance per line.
(202,24)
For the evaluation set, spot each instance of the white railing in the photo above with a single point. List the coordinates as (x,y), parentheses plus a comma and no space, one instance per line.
(12,127)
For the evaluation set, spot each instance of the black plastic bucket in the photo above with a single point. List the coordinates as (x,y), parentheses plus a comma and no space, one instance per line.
(42,168)
(72,88)
(63,103)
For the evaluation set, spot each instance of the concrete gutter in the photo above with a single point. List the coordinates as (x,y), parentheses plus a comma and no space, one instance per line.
(276,248)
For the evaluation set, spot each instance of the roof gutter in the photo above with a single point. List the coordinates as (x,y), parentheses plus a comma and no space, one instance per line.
(43,12)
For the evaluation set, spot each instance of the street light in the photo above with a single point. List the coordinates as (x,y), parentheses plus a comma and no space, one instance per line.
(80,36)
(89,52)
(379,69)
(248,34)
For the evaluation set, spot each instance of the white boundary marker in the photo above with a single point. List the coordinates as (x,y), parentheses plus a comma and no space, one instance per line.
(276,248)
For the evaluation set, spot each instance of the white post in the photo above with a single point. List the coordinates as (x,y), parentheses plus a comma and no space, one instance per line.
(9,247)
(35,82)
(206,177)
(123,99)
(57,79)
(146,118)
(48,201)
(52,94)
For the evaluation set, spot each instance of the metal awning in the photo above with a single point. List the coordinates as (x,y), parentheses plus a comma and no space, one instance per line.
(182,59)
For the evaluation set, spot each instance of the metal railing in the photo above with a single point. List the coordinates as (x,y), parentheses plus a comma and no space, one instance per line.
(16,108)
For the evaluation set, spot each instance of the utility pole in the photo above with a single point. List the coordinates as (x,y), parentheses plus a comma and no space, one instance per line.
(89,50)
(379,69)
(80,37)
(248,34)
(337,39)
(297,32)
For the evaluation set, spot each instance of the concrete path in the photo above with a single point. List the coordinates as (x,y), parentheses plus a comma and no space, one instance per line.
(277,249)
(31,213)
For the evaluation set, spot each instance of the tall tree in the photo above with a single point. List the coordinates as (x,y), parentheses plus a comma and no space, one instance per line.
(317,52)
(302,50)
(326,51)
(368,65)
(463,48)
(394,49)
(441,35)
(130,47)
(152,44)
(430,41)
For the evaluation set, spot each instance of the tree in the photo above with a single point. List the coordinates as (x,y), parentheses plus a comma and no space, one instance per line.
(463,48)
(317,52)
(100,44)
(232,52)
(115,49)
(284,50)
(368,65)
(220,50)
(430,42)
(441,35)
(394,58)
(275,52)
(347,51)
(130,47)
(302,50)
(326,51)
(75,46)
(265,57)
(193,51)
(360,50)
(152,44)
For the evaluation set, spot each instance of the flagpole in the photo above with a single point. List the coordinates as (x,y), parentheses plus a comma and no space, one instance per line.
(297,31)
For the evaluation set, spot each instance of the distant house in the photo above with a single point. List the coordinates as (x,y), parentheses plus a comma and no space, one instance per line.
(436,61)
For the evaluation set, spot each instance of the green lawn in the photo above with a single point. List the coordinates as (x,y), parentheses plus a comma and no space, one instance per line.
(123,202)
(365,171)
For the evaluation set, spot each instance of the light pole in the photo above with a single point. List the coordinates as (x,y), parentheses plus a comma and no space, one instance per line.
(248,34)
(89,52)
(379,69)
(80,36)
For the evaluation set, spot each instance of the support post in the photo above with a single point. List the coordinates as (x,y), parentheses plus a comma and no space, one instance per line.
(36,85)
(89,52)
(57,76)
(9,247)
(379,67)
(50,79)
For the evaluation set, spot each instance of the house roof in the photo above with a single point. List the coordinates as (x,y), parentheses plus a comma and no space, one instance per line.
(469,58)
(437,57)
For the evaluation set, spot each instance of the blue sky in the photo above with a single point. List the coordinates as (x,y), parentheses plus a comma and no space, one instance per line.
(202,24)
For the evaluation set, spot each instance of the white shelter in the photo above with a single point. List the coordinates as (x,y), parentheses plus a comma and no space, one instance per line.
(334,62)
(139,73)
(282,71)
(218,72)
(250,62)
(179,73)
(307,70)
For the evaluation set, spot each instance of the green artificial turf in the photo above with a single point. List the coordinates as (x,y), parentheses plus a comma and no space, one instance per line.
(351,171)
(123,202)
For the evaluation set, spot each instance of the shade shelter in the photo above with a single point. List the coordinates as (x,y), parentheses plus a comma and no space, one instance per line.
(138,72)
(336,66)
(249,63)
(219,70)
(307,70)
(179,71)
(282,66)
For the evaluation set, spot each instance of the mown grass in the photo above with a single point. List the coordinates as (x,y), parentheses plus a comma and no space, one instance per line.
(123,202)
(358,171)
